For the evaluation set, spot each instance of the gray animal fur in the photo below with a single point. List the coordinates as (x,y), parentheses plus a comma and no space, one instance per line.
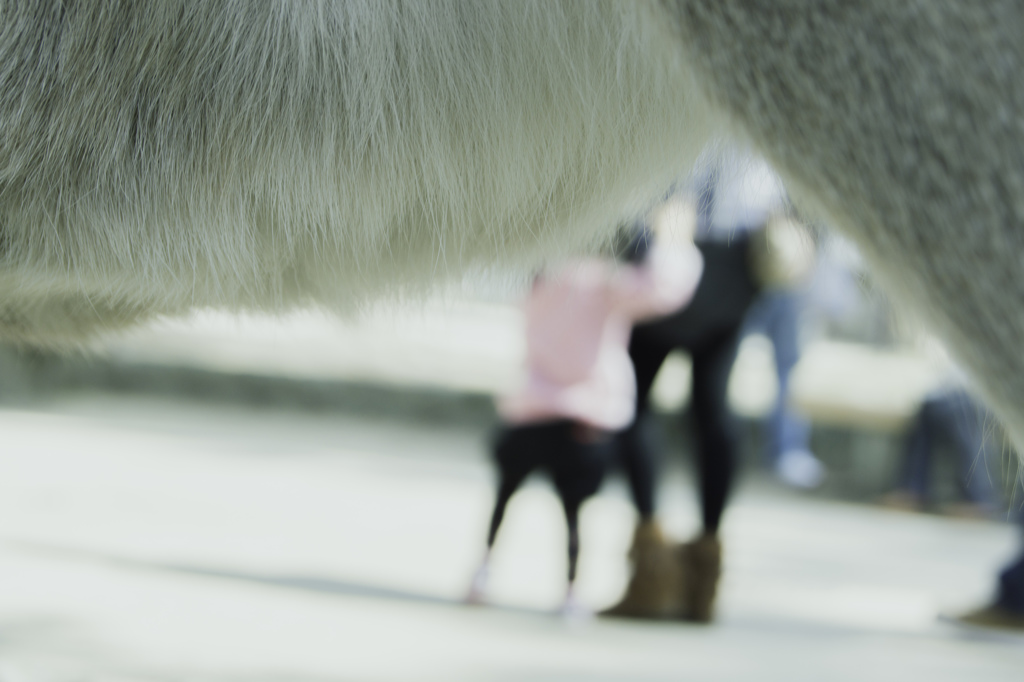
(903,122)
(163,155)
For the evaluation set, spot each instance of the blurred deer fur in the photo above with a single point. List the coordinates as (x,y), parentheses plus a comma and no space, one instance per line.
(158,156)
(164,155)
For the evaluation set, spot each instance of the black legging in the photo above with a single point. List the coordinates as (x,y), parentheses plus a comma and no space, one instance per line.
(709,329)
(574,456)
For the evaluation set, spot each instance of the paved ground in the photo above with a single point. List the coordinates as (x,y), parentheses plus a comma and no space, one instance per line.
(472,346)
(160,540)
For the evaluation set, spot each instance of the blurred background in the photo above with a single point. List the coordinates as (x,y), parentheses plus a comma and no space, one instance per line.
(307,498)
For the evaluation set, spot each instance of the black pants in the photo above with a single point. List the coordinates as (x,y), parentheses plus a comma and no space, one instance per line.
(575,458)
(709,329)
(1011,586)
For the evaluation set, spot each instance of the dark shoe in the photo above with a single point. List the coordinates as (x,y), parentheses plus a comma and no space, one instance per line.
(655,589)
(994,616)
(701,565)
(902,500)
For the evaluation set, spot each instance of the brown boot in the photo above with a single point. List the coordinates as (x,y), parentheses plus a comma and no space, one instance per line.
(700,565)
(655,588)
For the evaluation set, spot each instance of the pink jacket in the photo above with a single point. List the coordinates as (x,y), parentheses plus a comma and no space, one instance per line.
(578,323)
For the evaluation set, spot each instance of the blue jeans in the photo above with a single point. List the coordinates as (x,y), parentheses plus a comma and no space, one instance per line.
(952,415)
(776,314)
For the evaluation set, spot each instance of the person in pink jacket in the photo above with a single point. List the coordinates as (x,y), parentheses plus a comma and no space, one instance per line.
(580,386)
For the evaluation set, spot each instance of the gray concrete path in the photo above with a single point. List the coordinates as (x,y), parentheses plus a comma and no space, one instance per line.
(156,540)
(464,345)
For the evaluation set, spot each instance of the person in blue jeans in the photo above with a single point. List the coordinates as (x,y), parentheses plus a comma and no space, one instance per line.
(776,314)
(952,415)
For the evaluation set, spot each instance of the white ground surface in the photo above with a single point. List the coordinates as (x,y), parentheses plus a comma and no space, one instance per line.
(155,540)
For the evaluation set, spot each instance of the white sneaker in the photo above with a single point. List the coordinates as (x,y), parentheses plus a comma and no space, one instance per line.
(800,469)
(573,609)
(478,586)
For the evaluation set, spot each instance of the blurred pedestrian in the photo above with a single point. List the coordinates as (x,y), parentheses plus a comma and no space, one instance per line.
(950,416)
(580,387)
(733,199)
(782,257)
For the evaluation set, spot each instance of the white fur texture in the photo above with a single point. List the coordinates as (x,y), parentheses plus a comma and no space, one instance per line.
(161,155)
(158,156)
(904,123)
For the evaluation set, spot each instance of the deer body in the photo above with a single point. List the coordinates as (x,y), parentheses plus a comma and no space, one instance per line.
(155,157)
